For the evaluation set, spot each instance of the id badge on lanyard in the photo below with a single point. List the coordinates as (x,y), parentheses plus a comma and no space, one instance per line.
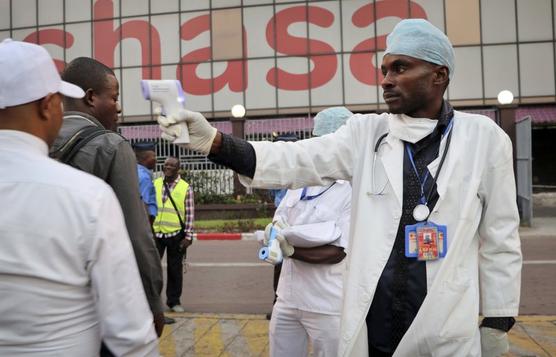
(426,240)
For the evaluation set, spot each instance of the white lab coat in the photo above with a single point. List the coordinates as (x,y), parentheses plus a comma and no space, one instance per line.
(481,272)
(316,222)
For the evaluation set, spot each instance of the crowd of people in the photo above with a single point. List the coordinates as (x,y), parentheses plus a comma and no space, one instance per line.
(398,230)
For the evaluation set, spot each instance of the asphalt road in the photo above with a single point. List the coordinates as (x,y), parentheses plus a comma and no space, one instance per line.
(227,277)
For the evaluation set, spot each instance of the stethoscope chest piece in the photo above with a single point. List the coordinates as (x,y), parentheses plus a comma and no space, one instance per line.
(421,212)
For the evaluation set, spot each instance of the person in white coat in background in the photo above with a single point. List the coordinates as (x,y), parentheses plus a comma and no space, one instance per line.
(434,223)
(312,226)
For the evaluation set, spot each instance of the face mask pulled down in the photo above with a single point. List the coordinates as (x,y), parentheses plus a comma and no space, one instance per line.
(410,129)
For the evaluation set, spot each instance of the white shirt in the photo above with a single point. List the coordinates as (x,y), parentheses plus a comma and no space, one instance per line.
(314,221)
(68,277)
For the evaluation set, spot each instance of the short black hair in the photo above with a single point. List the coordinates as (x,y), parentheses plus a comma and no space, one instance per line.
(174,158)
(87,73)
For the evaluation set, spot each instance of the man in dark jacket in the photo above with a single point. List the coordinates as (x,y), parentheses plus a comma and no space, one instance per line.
(110,157)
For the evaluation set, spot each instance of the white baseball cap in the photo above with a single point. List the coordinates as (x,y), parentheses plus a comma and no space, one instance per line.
(28,73)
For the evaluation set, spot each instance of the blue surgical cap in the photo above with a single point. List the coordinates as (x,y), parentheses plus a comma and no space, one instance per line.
(329,120)
(420,39)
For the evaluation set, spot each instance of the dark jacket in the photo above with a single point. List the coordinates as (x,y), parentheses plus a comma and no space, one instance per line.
(111,158)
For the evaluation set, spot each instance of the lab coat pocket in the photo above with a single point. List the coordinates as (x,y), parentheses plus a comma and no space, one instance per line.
(458,302)
(469,200)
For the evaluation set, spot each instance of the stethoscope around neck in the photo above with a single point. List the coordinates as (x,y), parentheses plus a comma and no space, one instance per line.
(374,191)
(380,191)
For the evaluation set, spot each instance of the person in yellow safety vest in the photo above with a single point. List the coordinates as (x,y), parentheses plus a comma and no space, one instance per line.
(173,227)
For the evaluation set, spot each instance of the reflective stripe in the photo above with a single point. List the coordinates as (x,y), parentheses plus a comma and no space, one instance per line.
(169,224)
(167,209)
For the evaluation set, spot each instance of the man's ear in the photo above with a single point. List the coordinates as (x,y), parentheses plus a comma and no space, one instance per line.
(45,106)
(89,97)
(441,75)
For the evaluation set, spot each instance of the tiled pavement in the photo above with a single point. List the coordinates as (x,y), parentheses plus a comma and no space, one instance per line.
(235,335)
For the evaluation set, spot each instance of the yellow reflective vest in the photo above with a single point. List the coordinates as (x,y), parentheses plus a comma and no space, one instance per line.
(167,220)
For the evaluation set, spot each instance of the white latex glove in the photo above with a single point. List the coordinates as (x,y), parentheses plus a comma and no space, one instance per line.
(278,224)
(494,342)
(287,248)
(201,133)
(267,233)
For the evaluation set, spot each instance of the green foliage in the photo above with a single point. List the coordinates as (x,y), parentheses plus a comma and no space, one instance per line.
(232,225)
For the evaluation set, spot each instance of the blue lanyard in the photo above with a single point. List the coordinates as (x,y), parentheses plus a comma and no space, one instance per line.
(304,196)
(424,200)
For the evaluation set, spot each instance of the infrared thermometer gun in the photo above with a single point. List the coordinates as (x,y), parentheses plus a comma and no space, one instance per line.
(272,253)
(169,94)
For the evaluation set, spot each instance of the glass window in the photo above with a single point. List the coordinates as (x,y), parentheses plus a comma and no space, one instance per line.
(294,81)
(291,30)
(498,21)
(82,37)
(136,49)
(534,20)
(260,94)
(325,35)
(187,5)
(358,25)
(227,41)
(51,12)
(462,22)
(256,20)
(130,93)
(536,67)
(167,27)
(467,80)
(4,14)
(78,10)
(135,7)
(195,35)
(24,13)
(228,84)
(434,10)
(225,3)
(500,63)
(357,78)
(326,81)
(159,6)
(4,35)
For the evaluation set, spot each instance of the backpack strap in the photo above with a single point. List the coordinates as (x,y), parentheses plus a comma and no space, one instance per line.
(67,151)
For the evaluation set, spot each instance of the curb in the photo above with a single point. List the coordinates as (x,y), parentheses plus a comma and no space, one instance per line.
(225,236)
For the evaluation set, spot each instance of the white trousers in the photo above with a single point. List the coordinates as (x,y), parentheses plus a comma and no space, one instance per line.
(291,329)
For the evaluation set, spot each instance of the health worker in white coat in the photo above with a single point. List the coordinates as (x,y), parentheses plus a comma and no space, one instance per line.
(434,223)
(312,226)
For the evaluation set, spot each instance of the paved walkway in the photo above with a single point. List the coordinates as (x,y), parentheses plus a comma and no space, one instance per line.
(233,335)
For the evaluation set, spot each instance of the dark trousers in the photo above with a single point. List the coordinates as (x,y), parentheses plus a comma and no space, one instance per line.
(277,270)
(174,260)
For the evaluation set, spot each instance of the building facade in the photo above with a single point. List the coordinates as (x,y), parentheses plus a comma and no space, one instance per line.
(282,58)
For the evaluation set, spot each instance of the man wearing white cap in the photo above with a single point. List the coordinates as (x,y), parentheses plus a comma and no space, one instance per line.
(434,222)
(312,226)
(68,277)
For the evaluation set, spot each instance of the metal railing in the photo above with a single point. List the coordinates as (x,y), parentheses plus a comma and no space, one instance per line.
(206,176)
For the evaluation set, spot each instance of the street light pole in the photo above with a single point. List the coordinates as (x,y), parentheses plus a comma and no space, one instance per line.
(238,130)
